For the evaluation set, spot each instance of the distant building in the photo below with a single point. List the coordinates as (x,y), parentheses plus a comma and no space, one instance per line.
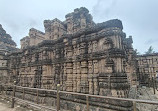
(147,67)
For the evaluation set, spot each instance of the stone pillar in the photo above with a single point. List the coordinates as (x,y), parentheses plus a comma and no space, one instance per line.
(95,46)
(74,77)
(78,77)
(64,78)
(56,71)
(69,20)
(61,76)
(96,87)
(84,77)
(91,85)
(95,64)
(69,82)
(95,80)
(118,65)
(90,77)
(120,42)
(83,21)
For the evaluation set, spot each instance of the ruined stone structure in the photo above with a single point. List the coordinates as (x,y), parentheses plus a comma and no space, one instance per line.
(35,37)
(77,53)
(6,41)
(147,67)
(6,45)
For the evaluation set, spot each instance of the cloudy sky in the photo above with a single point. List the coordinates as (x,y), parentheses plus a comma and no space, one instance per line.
(139,17)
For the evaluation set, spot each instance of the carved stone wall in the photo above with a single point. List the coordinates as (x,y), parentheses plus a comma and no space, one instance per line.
(78,54)
(147,67)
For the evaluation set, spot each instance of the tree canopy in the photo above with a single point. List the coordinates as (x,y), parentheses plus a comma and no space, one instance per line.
(150,50)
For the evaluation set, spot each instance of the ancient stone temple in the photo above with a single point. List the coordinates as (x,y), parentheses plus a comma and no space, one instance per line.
(81,55)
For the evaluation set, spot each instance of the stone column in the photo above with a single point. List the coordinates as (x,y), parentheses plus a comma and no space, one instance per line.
(95,46)
(74,77)
(84,77)
(69,82)
(90,77)
(78,77)
(64,77)
(69,20)
(96,87)
(91,85)
(61,76)
(95,79)
(95,64)
(82,21)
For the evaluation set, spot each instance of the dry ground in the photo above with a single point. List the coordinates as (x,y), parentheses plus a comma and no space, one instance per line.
(5,105)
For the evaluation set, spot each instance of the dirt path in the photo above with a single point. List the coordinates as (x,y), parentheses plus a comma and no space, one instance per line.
(6,106)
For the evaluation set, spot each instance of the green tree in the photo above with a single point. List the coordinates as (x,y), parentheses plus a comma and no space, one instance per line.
(150,50)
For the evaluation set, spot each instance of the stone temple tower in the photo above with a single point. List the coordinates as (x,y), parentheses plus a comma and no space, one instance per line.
(54,29)
(79,19)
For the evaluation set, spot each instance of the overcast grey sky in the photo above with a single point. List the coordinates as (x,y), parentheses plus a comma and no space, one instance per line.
(139,17)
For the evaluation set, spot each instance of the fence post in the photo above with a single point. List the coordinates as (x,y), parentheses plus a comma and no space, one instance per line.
(6,90)
(23,96)
(156,83)
(37,95)
(1,88)
(87,102)
(58,97)
(13,95)
(153,84)
(109,82)
(134,106)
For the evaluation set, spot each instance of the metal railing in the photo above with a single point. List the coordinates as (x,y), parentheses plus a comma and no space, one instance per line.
(58,92)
